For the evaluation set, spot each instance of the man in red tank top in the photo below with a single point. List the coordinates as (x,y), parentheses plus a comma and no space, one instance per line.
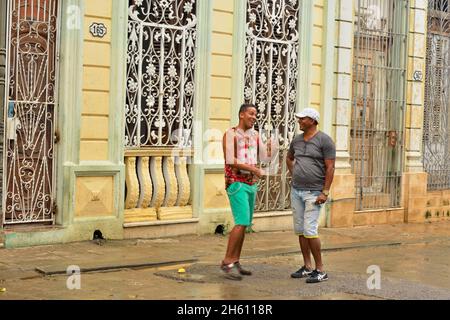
(241,146)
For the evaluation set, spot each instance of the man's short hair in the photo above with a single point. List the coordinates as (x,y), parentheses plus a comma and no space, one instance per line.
(246,106)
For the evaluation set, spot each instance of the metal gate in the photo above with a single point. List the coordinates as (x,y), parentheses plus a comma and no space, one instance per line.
(162,39)
(30,112)
(436,139)
(379,69)
(271,60)
(3,19)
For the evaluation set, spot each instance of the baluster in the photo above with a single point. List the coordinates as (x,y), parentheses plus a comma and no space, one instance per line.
(183,182)
(171,182)
(158,182)
(145,181)
(132,183)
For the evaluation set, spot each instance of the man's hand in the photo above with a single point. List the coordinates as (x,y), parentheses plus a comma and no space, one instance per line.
(258,172)
(321,199)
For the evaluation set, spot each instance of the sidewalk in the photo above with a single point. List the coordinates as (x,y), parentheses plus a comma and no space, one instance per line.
(279,251)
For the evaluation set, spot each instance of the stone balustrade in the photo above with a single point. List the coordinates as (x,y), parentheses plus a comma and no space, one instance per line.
(157,186)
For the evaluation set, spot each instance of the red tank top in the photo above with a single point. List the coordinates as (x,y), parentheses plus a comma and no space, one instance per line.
(246,148)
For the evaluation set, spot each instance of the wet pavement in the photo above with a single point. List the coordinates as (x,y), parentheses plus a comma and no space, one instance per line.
(413,260)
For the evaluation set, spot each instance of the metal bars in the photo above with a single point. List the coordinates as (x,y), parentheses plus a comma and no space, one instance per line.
(379,70)
(3,24)
(161,59)
(271,72)
(436,133)
(30,112)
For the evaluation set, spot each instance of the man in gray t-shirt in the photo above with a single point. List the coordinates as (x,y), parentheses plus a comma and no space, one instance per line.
(309,168)
(311,160)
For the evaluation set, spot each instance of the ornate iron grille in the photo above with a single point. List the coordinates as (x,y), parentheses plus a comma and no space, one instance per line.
(436,142)
(162,39)
(378,104)
(272,46)
(30,112)
(3,19)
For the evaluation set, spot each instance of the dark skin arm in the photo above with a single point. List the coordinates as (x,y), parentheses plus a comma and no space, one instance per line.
(329,174)
(290,161)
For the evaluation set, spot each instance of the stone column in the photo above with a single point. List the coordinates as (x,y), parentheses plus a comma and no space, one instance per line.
(343,81)
(415,179)
(342,203)
(3,15)
(416,86)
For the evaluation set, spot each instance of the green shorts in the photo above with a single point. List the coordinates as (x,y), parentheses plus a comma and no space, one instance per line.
(242,199)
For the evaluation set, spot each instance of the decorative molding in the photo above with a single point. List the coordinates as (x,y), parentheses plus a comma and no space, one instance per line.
(175,213)
(94,196)
(161,223)
(94,173)
(215,169)
(159,152)
(140,215)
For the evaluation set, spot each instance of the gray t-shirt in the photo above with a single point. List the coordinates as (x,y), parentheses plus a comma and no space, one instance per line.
(309,168)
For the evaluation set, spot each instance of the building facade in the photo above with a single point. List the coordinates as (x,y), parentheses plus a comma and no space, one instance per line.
(113,111)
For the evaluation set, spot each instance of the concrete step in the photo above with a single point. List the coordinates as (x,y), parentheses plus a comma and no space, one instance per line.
(29,235)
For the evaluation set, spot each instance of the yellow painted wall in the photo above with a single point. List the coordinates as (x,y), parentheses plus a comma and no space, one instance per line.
(96,83)
(317,39)
(221,64)
(220,98)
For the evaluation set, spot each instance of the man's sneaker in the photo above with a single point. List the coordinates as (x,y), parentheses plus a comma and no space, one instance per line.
(241,270)
(303,272)
(231,271)
(317,276)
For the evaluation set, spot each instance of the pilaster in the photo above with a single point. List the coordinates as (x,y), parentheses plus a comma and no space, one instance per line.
(343,72)
(415,96)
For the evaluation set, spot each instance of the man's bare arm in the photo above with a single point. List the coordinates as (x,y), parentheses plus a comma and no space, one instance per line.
(329,173)
(290,161)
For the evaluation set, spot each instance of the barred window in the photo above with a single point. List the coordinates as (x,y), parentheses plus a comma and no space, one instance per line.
(161,58)
(436,129)
(379,68)
(271,72)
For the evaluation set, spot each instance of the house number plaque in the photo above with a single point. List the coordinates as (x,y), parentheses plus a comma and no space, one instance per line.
(98,30)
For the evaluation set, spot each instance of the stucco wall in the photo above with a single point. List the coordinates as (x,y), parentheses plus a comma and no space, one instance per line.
(96,83)
(317,54)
